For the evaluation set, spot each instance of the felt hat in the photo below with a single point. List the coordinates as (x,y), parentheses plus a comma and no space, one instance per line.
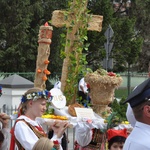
(113,133)
(140,94)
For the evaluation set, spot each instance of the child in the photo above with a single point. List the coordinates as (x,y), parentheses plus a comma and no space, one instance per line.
(27,131)
(116,139)
(45,144)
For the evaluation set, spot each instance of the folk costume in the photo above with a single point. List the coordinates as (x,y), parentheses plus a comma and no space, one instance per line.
(32,132)
(88,139)
(26,132)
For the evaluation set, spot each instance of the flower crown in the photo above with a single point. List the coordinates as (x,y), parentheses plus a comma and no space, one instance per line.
(36,95)
(0,91)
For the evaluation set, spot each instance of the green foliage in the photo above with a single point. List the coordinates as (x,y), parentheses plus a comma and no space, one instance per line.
(120,109)
(96,52)
(127,45)
(75,45)
(20,22)
(112,121)
(19,28)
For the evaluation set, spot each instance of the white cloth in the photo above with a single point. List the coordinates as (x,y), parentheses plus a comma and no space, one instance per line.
(130,116)
(26,136)
(83,135)
(83,130)
(139,138)
(84,85)
(57,85)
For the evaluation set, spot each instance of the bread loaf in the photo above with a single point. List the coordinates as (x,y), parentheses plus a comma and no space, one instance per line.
(71,109)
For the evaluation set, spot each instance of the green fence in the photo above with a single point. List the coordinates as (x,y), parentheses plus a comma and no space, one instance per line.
(130,80)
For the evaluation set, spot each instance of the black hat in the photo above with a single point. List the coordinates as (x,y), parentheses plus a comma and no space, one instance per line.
(140,94)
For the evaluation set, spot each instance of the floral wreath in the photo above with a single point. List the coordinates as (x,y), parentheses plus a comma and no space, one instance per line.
(36,95)
(0,91)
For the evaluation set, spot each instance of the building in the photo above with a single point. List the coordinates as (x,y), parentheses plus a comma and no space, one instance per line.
(13,87)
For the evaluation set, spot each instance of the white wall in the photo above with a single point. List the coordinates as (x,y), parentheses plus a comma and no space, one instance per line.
(11,97)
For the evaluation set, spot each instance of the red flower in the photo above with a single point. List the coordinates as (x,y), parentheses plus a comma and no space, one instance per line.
(111,74)
(88,85)
(49,94)
(56,142)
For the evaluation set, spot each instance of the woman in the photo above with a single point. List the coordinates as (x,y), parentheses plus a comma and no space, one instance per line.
(116,139)
(27,130)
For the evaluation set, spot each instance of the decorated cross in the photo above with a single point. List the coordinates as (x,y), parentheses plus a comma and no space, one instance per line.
(73,22)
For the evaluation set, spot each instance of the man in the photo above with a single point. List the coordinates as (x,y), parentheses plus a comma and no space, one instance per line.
(139,101)
(83,91)
(129,112)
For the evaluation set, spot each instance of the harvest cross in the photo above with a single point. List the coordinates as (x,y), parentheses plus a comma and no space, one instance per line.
(73,22)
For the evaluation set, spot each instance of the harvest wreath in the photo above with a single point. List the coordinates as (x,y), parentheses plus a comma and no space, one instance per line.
(102,86)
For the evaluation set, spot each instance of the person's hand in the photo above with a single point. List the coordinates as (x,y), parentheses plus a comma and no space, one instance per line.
(4,118)
(59,128)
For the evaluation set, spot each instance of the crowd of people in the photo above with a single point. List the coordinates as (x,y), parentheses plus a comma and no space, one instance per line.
(28,134)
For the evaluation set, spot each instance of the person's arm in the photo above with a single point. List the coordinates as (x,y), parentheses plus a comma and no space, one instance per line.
(6,142)
(4,119)
(59,129)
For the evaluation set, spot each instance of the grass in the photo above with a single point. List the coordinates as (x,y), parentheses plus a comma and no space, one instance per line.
(122,92)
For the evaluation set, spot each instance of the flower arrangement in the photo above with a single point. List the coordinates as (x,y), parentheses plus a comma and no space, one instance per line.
(0,91)
(36,95)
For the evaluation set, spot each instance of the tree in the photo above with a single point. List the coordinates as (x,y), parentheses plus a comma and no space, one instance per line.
(14,36)
(127,41)
(96,52)
(20,22)
(19,26)
(141,11)
(127,45)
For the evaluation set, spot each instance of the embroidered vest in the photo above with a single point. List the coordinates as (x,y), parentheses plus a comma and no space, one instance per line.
(36,131)
(98,141)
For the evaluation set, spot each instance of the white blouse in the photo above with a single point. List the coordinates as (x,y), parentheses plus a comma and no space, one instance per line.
(26,136)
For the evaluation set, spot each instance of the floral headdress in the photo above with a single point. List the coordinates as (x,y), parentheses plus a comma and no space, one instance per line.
(36,95)
(0,90)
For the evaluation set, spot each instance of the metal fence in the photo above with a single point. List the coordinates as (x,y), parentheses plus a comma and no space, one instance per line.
(9,111)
